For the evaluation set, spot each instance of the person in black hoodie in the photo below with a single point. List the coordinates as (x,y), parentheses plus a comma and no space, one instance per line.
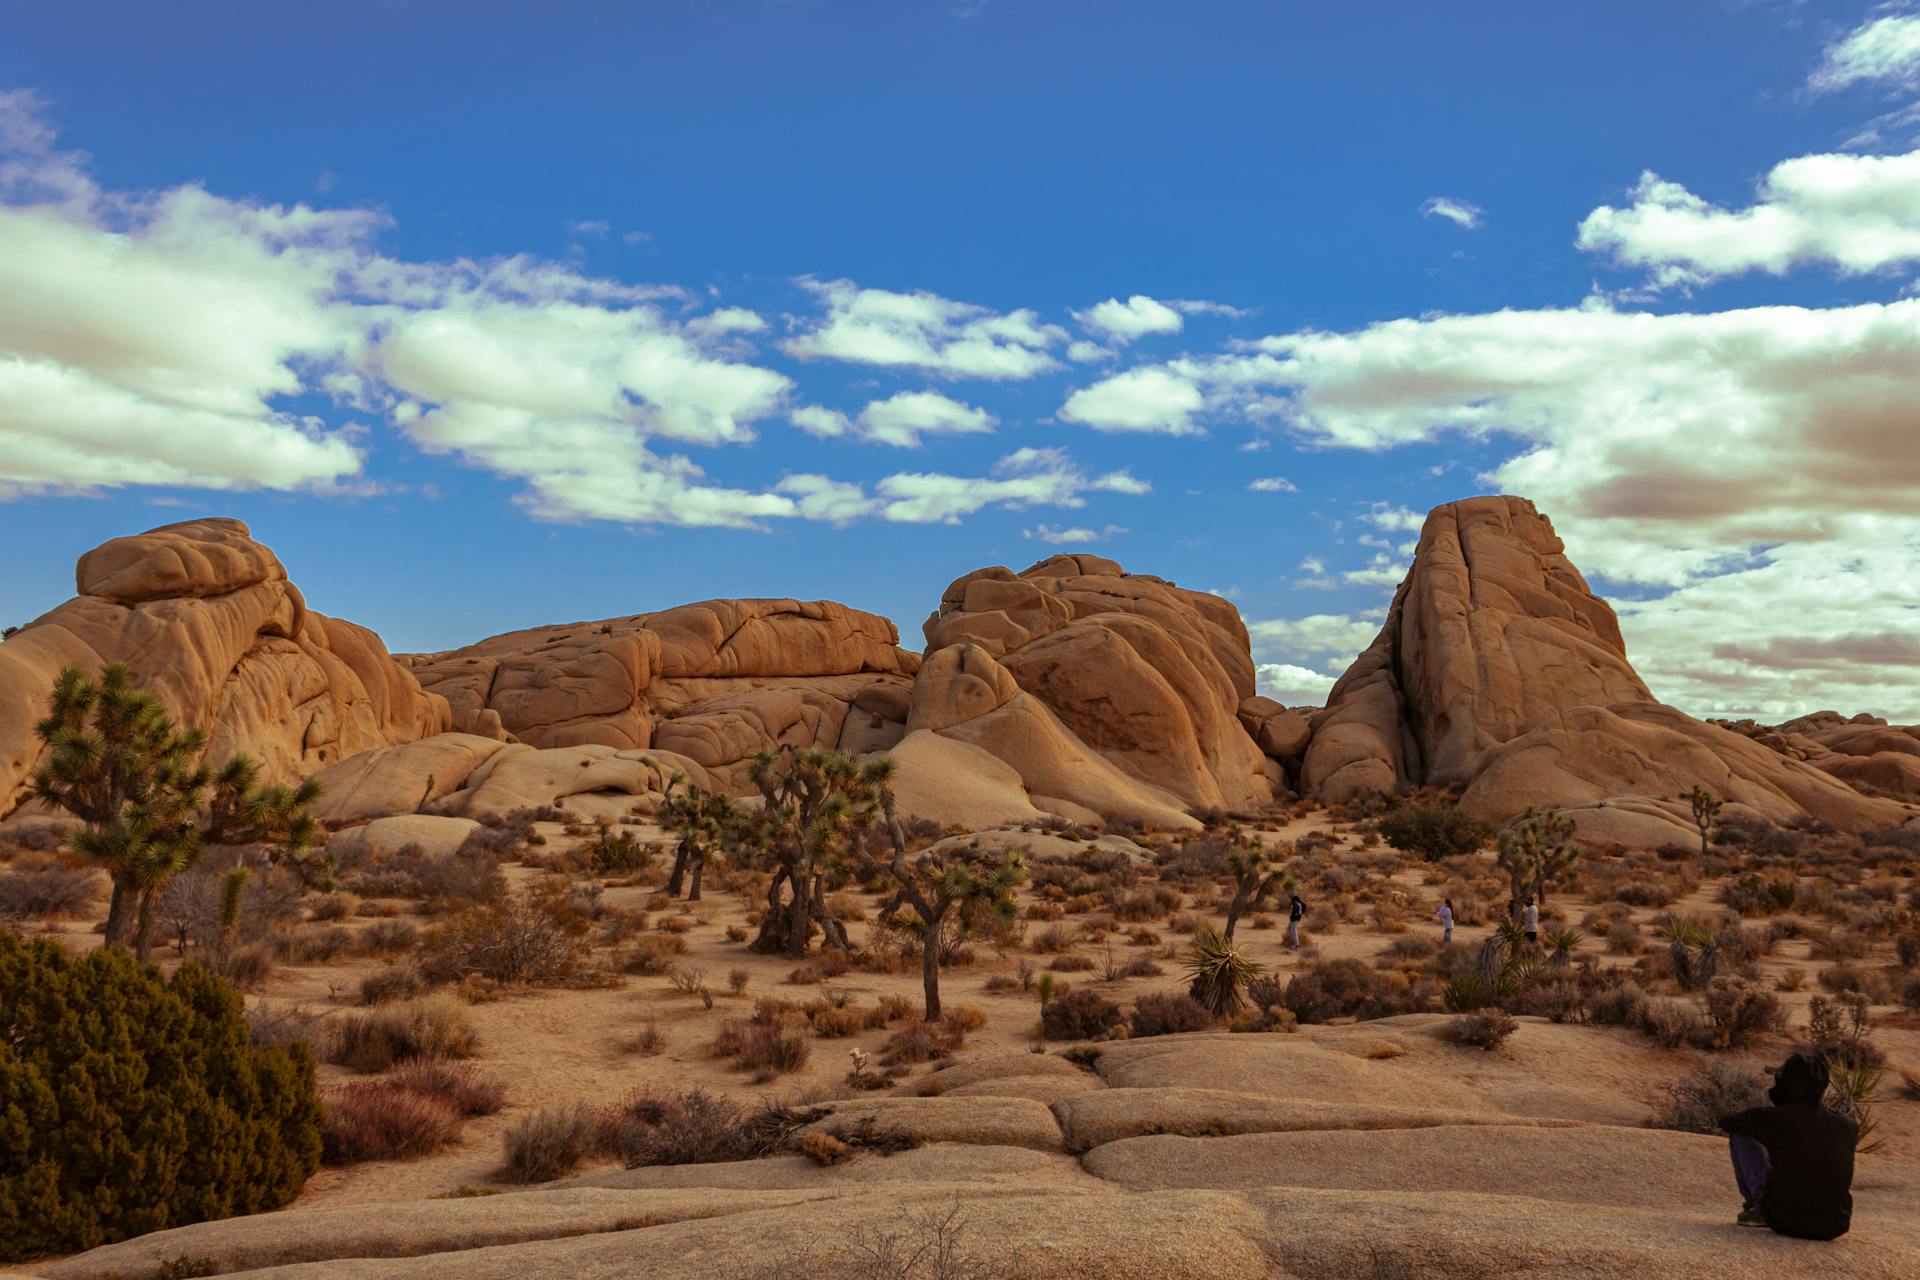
(1793,1160)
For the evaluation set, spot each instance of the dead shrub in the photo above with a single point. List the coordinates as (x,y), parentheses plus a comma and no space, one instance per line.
(1165,1014)
(533,939)
(1482,1029)
(1696,1102)
(380,1120)
(1079,1015)
(395,982)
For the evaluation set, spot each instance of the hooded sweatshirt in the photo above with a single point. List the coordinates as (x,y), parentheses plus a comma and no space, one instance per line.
(1810,1150)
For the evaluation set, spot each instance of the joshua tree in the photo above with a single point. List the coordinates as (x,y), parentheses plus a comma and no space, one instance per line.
(1256,873)
(819,806)
(1705,809)
(972,891)
(1536,850)
(707,822)
(149,803)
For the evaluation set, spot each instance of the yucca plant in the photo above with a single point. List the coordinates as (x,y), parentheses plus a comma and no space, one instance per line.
(1219,973)
(1856,1082)
(1561,944)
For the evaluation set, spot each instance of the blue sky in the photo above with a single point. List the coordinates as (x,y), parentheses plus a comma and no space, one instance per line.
(486,316)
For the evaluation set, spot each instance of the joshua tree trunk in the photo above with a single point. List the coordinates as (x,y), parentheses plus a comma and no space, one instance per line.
(699,866)
(143,935)
(930,968)
(799,922)
(832,932)
(119,917)
(679,875)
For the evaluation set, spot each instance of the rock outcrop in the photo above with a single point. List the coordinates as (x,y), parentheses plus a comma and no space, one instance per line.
(712,682)
(1182,1157)
(1108,693)
(1865,751)
(1499,672)
(206,618)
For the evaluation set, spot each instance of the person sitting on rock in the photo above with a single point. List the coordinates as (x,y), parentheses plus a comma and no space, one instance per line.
(1296,911)
(1793,1161)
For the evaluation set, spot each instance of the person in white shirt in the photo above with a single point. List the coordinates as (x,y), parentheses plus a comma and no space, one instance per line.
(1531,919)
(1445,917)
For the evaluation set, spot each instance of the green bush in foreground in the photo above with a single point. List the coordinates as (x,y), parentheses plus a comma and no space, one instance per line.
(131,1103)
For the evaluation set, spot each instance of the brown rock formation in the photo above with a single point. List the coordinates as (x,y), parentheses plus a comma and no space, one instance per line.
(1499,671)
(713,682)
(1864,751)
(1111,692)
(206,618)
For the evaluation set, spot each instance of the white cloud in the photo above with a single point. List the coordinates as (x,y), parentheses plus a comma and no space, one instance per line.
(820,498)
(1122,322)
(899,420)
(148,340)
(1385,515)
(1149,398)
(152,339)
(1025,477)
(1381,571)
(1885,51)
(1080,351)
(590,227)
(1291,685)
(1860,213)
(923,331)
(1078,534)
(1201,307)
(1462,213)
(1274,484)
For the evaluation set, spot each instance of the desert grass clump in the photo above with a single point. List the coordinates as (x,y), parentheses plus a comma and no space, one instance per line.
(693,1126)
(1482,1029)
(551,1143)
(438,1026)
(395,982)
(460,1083)
(772,1051)
(41,889)
(653,953)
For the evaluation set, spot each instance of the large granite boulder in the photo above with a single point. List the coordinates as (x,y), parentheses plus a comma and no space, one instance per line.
(1116,693)
(1498,671)
(714,682)
(206,618)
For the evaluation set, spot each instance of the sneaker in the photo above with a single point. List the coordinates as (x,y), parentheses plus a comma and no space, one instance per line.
(1751,1218)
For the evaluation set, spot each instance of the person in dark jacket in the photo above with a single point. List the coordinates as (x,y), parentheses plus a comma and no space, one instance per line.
(1793,1160)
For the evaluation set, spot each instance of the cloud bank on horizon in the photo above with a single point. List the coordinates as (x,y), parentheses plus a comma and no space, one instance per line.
(1745,479)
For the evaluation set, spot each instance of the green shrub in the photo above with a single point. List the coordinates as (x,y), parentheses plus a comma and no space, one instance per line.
(1434,830)
(107,1066)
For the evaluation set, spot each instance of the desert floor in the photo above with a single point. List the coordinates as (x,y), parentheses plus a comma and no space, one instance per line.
(551,1047)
